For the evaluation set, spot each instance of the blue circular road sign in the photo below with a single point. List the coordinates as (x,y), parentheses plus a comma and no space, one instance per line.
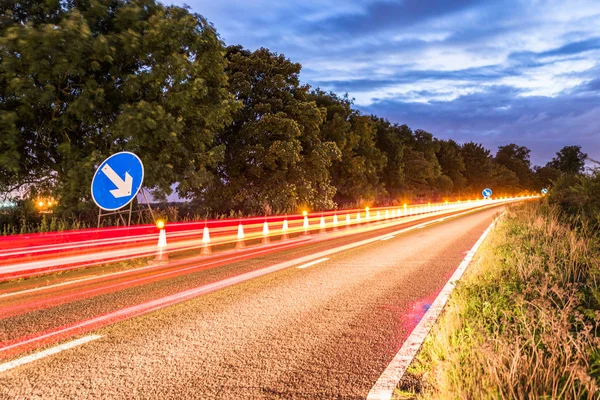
(117,181)
(544,191)
(487,192)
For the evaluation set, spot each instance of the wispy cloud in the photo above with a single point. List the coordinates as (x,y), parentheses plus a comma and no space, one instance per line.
(495,72)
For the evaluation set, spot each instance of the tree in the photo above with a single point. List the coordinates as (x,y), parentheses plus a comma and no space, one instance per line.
(569,160)
(421,166)
(545,176)
(516,159)
(275,159)
(478,166)
(392,140)
(502,180)
(453,166)
(356,175)
(82,80)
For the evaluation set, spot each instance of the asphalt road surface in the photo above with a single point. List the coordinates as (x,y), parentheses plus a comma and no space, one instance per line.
(325,331)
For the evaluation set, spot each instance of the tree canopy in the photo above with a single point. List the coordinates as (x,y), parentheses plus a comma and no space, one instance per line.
(82,80)
(275,156)
(569,160)
(229,128)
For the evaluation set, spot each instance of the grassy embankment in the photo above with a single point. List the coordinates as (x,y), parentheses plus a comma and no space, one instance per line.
(524,322)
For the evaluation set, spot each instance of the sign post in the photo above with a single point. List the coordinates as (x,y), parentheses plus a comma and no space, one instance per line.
(116,183)
(487,193)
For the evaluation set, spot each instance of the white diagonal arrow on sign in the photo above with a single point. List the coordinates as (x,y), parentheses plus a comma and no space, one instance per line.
(123,186)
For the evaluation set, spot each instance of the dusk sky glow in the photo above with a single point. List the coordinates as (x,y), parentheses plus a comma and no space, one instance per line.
(492,72)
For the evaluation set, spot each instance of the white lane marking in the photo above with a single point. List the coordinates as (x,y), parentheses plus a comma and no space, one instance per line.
(144,308)
(387,382)
(388,238)
(55,285)
(48,352)
(399,222)
(310,264)
(108,275)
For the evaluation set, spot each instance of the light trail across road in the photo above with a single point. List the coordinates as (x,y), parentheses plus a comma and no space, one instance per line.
(23,256)
(251,328)
(46,314)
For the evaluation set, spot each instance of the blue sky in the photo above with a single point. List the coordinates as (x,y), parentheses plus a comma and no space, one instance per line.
(495,72)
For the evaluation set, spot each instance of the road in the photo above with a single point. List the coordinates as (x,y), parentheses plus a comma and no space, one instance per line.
(324,331)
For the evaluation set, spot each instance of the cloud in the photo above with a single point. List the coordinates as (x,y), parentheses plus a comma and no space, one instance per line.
(574,48)
(386,15)
(593,85)
(498,116)
(483,70)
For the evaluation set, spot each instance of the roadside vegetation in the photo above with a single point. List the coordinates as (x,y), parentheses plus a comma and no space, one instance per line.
(524,322)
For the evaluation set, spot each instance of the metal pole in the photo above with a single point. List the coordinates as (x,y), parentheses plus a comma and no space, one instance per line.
(130,210)
(122,219)
(148,204)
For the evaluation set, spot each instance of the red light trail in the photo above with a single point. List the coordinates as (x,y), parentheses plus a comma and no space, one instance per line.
(83,250)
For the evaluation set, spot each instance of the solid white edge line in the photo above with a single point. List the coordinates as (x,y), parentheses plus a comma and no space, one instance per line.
(48,352)
(310,264)
(388,238)
(383,389)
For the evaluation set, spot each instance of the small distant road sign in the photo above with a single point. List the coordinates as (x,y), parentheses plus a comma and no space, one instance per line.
(544,191)
(117,181)
(487,192)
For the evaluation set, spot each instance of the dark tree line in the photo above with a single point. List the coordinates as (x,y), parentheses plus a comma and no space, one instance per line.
(231,129)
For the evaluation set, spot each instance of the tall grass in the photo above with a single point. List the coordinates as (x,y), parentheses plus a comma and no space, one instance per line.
(524,321)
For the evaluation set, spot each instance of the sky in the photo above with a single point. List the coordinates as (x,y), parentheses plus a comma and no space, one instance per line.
(493,72)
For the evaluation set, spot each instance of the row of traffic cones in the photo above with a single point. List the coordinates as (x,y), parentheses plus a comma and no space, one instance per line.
(162,256)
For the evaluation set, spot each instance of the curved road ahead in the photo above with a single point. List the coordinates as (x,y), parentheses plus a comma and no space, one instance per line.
(324,331)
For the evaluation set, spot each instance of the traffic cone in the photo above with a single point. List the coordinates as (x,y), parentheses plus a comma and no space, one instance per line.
(387,214)
(322,229)
(305,226)
(358,218)
(348,222)
(265,234)
(367,214)
(284,230)
(378,216)
(241,244)
(206,250)
(161,254)
(335,222)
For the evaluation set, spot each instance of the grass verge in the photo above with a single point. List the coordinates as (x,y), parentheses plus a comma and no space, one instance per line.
(524,320)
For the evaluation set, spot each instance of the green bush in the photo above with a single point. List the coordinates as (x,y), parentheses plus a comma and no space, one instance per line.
(578,197)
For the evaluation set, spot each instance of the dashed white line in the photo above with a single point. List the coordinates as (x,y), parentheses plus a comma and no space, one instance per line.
(310,264)
(48,352)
